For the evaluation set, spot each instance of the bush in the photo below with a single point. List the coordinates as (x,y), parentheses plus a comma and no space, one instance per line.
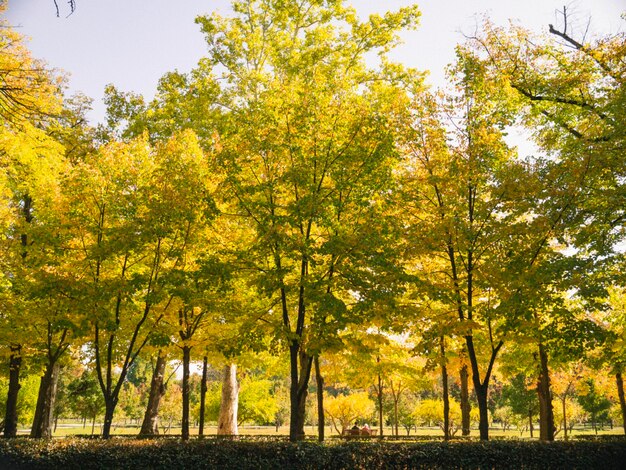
(224,454)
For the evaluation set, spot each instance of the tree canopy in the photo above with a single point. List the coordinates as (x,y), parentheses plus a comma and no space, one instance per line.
(299,195)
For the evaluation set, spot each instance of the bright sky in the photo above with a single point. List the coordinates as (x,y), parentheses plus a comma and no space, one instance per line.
(132,43)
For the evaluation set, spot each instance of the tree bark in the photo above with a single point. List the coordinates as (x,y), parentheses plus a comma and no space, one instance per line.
(301,364)
(185,420)
(306,364)
(150,424)
(481,389)
(43,420)
(466,406)
(564,416)
(320,400)
(620,392)
(444,385)
(396,392)
(531,428)
(203,390)
(109,408)
(483,412)
(379,395)
(10,417)
(395,414)
(546,413)
(227,422)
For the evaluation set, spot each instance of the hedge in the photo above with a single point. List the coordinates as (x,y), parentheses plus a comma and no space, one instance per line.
(66,454)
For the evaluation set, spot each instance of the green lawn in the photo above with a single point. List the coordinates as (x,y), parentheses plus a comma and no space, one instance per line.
(73,427)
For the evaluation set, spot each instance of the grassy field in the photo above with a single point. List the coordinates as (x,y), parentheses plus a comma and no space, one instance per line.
(72,428)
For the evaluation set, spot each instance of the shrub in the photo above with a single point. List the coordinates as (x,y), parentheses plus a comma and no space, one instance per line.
(225,454)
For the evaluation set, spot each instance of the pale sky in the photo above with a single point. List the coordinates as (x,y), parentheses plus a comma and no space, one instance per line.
(132,43)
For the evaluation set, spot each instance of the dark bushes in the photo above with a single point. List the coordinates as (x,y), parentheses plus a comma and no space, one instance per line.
(69,454)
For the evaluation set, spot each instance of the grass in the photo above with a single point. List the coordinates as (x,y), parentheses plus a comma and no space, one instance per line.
(73,427)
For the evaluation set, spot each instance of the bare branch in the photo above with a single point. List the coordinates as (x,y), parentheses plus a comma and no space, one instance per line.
(581,47)
(71,3)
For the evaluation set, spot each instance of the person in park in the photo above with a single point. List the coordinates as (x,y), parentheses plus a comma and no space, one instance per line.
(355,429)
(365,430)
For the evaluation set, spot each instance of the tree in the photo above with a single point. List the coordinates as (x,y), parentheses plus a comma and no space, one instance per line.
(135,210)
(568,415)
(85,398)
(406,406)
(131,401)
(256,403)
(345,410)
(569,94)
(612,352)
(29,92)
(520,398)
(29,161)
(436,324)
(594,402)
(430,411)
(306,146)
(171,408)
(577,116)
(454,188)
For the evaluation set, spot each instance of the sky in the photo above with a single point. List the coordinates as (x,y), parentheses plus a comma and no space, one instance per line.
(132,43)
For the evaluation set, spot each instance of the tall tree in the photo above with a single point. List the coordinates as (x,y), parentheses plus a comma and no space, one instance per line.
(454,191)
(570,95)
(29,161)
(307,144)
(612,353)
(136,210)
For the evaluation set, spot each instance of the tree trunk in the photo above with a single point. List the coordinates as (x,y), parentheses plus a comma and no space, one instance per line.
(483,411)
(466,406)
(203,390)
(320,400)
(564,416)
(43,420)
(301,418)
(446,403)
(227,422)
(531,428)
(481,389)
(444,385)
(150,424)
(185,421)
(546,413)
(395,414)
(620,392)
(109,408)
(306,363)
(379,393)
(300,365)
(294,405)
(15,364)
